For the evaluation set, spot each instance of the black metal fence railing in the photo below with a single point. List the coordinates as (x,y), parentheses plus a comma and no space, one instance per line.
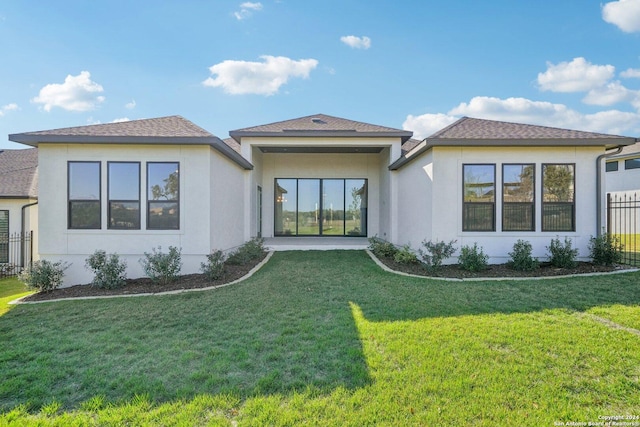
(623,221)
(16,253)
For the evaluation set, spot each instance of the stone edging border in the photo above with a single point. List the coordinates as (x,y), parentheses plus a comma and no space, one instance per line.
(174,292)
(485,279)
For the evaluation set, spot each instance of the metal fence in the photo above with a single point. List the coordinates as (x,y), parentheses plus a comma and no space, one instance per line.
(16,253)
(623,221)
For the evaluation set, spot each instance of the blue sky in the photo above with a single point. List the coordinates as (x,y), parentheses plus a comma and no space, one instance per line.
(225,65)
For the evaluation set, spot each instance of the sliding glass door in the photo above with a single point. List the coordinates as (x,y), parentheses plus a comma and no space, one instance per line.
(320,207)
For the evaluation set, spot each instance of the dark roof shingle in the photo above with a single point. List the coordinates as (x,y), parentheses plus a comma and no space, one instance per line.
(19,173)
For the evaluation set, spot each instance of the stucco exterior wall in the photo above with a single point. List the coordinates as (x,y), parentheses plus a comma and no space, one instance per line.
(445,203)
(199,167)
(415,194)
(622,180)
(14,206)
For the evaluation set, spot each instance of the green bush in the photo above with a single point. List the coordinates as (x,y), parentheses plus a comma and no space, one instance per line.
(160,267)
(562,255)
(108,270)
(214,267)
(473,258)
(251,250)
(381,248)
(43,275)
(605,249)
(521,258)
(405,256)
(436,252)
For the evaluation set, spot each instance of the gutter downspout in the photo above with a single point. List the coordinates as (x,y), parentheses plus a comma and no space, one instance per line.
(599,187)
(22,231)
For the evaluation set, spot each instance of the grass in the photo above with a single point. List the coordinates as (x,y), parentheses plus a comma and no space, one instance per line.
(10,289)
(328,338)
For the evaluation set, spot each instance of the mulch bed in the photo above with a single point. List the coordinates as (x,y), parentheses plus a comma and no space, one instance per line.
(499,270)
(146,286)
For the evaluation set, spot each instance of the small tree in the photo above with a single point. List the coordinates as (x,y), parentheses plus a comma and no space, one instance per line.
(436,252)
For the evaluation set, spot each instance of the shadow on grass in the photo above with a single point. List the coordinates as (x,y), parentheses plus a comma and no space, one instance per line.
(288,328)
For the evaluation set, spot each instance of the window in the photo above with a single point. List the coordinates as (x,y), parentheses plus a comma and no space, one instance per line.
(84,195)
(479,207)
(632,164)
(558,197)
(124,195)
(4,237)
(163,196)
(612,166)
(518,207)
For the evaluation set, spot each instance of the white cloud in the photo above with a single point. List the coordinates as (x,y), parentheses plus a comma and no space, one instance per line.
(120,120)
(130,105)
(260,78)
(8,107)
(427,124)
(575,76)
(631,73)
(610,94)
(355,42)
(522,110)
(247,9)
(77,93)
(624,14)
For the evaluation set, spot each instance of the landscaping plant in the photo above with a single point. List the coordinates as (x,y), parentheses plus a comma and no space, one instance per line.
(160,267)
(436,252)
(562,255)
(109,271)
(473,258)
(382,248)
(605,249)
(249,251)
(214,267)
(405,256)
(43,275)
(521,258)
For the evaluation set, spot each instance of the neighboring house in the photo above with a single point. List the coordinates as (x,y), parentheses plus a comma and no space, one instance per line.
(623,171)
(128,187)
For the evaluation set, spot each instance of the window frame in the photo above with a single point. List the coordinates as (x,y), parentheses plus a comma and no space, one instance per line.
(465,228)
(150,201)
(632,163)
(613,169)
(543,203)
(71,201)
(110,201)
(533,198)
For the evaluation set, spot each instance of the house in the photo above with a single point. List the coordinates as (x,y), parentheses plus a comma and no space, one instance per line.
(128,187)
(623,170)
(18,199)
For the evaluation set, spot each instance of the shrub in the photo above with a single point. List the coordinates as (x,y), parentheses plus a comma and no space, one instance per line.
(473,258)
(253,249)
(436,252)
(562,255)
(605,249)
(214,267)
(405,256)
(108,270)
(381,248)
(521,258)
(43,275)
(162,268)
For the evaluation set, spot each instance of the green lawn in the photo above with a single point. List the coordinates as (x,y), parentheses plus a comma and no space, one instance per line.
(328,338)
(10,289)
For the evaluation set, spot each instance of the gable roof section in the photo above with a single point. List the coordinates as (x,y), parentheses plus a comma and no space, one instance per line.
(19,174)
(173,130)
(470,132)
(320,125)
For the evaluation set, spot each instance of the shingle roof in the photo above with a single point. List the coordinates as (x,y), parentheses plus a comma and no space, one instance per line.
(629,151)
(162,130)
(320,125)
(19,173)
(233,144)
(470,128)
(410,145)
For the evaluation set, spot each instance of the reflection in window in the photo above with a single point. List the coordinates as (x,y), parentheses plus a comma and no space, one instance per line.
(163,196)
(309,207)
(285,207)
(478,211)
(632,164)
(124,195)
(558,197)
(356,215)
(333,207)
(84,195)
(612,166)
(518,209)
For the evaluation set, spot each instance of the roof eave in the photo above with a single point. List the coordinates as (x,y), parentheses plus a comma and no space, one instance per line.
(533,142)
(238,135)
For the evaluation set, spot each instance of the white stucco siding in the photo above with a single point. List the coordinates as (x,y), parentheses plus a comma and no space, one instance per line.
(339,165)
(57,242)
(446,197)
(255,180)
(623,180)
(415,198)
(384,192)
